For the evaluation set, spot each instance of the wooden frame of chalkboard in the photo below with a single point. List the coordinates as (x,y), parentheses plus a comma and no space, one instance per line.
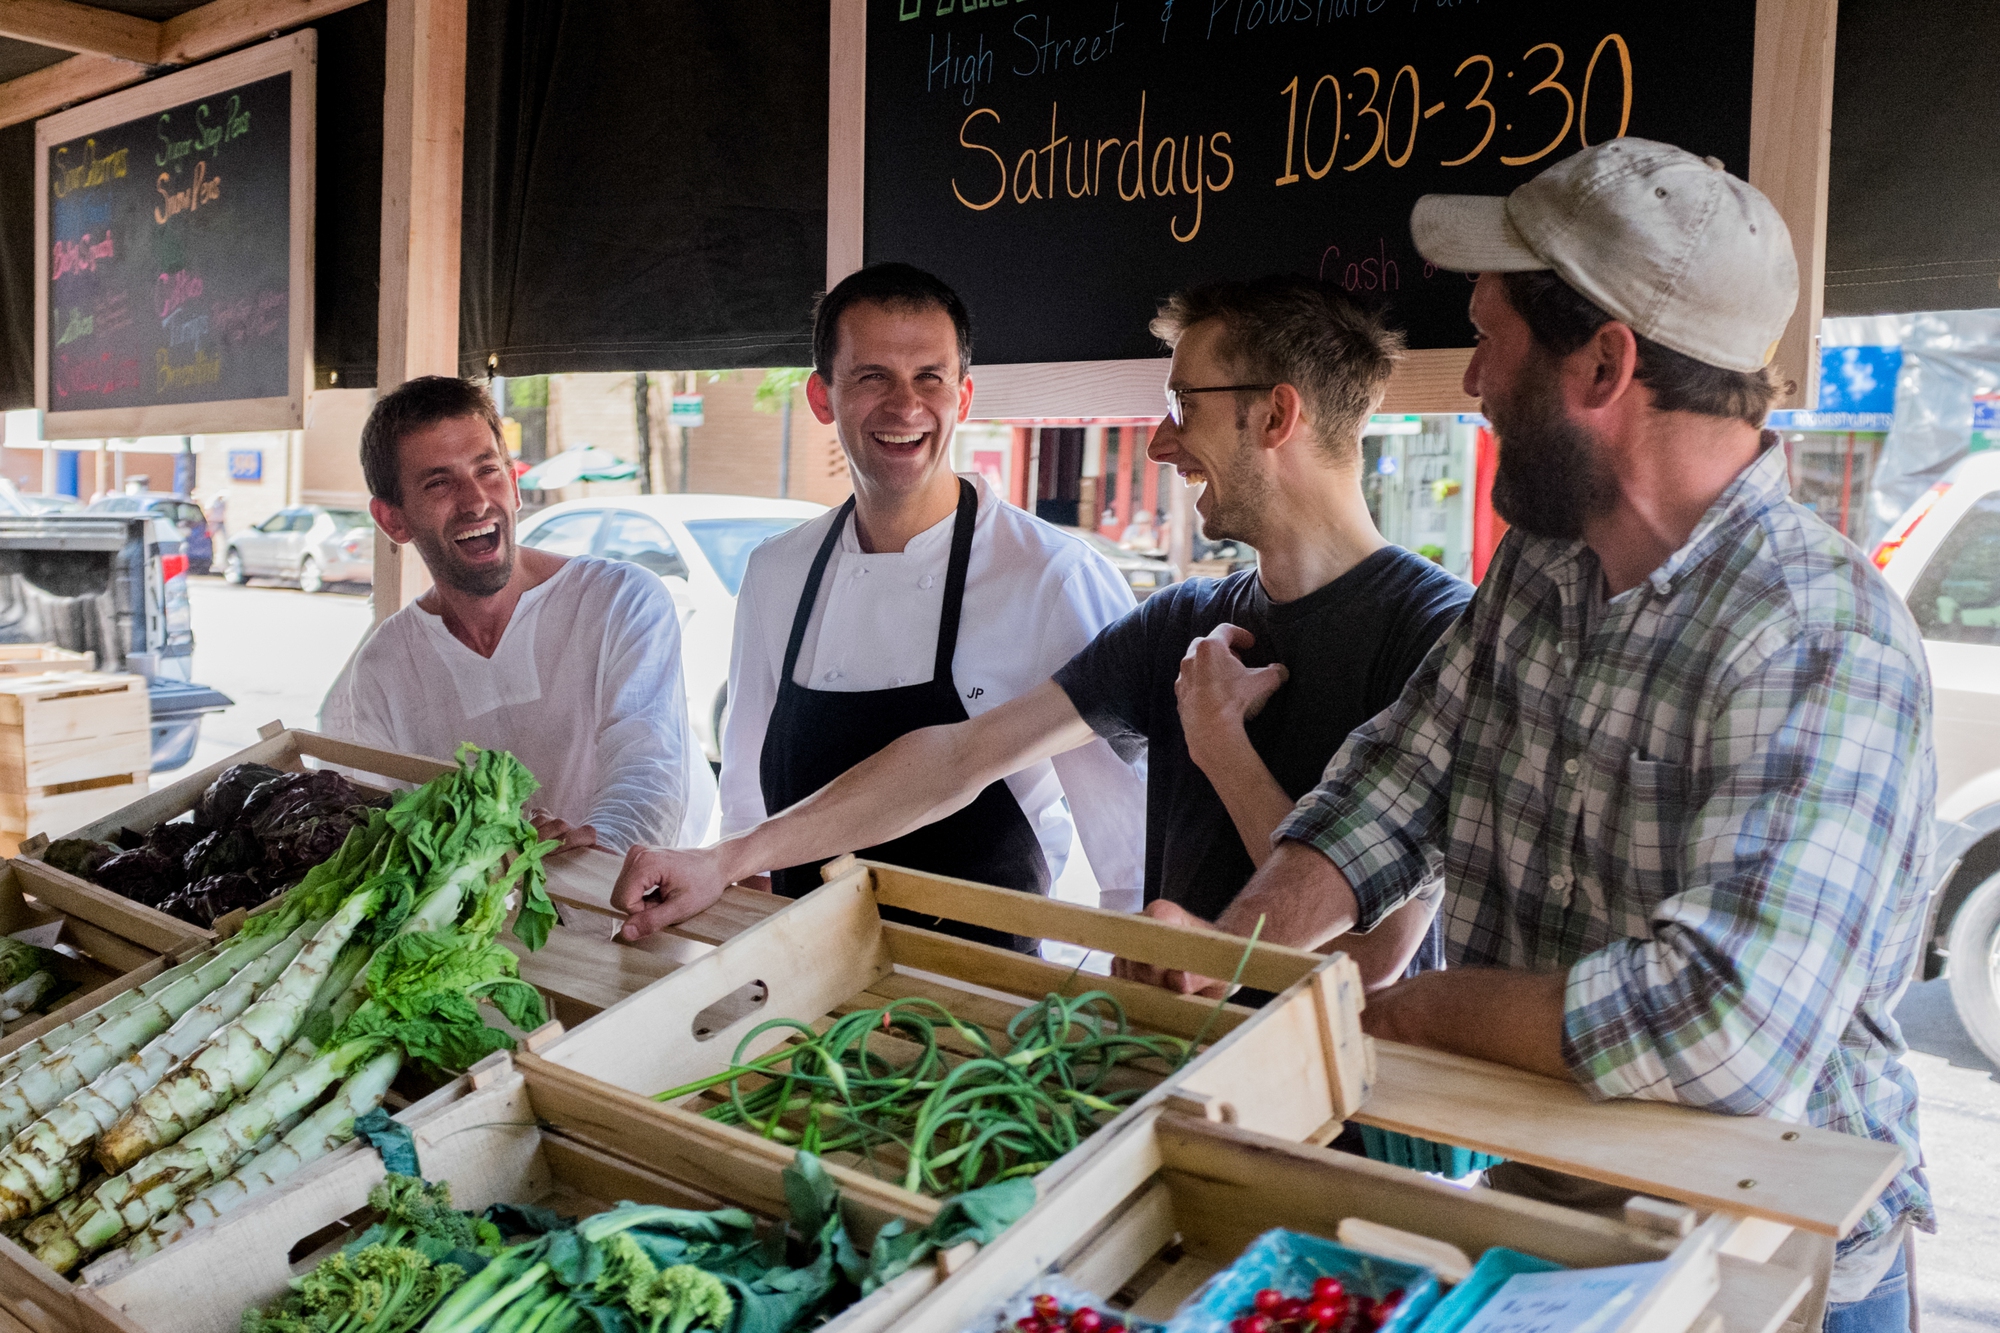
(181,151)
(1790,119)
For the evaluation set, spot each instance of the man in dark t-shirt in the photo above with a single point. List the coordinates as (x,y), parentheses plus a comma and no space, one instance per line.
(1346,648)
(1242,689)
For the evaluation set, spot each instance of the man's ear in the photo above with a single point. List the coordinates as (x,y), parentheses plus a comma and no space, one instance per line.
(964,397)
(819,398)
(389,518)
(1609,361)
(1284,418)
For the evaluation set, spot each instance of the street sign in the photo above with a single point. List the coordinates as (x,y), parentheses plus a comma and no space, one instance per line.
(246,465)
(686,410)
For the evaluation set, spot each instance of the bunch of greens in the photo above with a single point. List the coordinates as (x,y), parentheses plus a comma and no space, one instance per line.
(960,1116)
(224,1075)
(635,1269)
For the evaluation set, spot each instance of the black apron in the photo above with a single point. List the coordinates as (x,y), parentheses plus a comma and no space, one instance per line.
(816,735)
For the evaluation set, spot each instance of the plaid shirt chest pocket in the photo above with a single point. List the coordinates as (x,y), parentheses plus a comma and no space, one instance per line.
(1635,821)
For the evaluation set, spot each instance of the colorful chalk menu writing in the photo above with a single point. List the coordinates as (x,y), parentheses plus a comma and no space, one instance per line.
(168,255)
(1064,165)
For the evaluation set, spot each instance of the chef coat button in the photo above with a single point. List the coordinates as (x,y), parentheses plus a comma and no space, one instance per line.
(896,681)
(831,675)
(1570,766)
(926,581)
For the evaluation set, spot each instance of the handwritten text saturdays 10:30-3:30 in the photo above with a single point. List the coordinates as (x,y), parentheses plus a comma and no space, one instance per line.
(1365,118)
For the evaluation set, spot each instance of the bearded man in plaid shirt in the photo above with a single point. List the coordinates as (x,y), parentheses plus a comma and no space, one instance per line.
(1675,760)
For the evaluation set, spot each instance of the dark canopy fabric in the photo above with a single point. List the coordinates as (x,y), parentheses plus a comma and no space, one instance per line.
(1915,188)
(645,185)
(645,188)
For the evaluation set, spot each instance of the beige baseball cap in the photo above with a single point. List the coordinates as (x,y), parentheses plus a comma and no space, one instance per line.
(1667,242)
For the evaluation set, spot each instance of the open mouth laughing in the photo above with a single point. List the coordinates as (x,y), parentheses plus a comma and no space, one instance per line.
(479,543)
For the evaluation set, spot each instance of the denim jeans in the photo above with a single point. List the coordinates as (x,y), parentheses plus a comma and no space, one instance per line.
(1886,1309)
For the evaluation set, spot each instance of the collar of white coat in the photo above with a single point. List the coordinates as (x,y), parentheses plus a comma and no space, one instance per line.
(935,539)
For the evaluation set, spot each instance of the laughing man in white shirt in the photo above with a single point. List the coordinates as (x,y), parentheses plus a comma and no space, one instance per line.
(923,600)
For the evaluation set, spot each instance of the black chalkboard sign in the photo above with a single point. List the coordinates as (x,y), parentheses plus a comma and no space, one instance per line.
(172,247)
(1064,165)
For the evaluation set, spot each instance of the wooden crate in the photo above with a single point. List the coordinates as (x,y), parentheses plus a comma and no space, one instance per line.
(1177,1198)
(33,659)
(74,746)
(831,952)
(484,1138)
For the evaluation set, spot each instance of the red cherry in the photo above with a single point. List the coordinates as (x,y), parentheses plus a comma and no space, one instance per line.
(1255,1323)
(1268,1300)
(1328,1289)
(1327,1313)
(1028,1324)
(1046,1305)
(1292,1308)
(1085,1320)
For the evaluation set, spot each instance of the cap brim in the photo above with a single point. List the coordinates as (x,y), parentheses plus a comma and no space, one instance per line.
(1470,233)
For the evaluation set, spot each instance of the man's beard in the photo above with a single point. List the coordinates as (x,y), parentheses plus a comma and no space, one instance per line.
(1239,494)
(1549,480)
(447,567)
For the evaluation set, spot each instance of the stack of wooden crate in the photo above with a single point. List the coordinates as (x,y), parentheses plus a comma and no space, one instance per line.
(35,659)
(74,746)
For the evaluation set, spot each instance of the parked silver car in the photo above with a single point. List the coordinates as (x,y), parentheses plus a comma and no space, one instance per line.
(309,545)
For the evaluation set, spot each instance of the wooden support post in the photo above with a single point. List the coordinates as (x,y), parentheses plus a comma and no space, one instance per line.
(423,158)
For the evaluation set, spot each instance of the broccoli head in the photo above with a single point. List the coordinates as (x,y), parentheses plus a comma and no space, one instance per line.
(680,1298)
(415,1212)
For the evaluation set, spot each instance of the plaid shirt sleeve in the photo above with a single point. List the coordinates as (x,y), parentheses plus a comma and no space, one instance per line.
(1805,839)
(1379,812)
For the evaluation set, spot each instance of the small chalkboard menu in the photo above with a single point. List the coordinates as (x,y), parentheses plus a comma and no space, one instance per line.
(1064,165)
(173,285)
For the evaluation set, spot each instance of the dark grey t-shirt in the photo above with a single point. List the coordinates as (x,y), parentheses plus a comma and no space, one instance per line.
(1349,648)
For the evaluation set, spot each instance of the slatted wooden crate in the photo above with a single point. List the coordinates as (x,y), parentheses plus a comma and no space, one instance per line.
(483,1137)
(1178,1197)
(832,953)
(34,659)
(73,747)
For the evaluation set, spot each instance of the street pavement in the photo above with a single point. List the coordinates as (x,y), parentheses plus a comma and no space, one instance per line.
(276,650)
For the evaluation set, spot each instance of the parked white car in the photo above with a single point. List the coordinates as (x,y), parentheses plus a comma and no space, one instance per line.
(699,545)
(1943,557)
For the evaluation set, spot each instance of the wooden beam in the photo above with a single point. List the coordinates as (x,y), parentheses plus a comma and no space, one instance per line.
(423,159)
(1791,143)
(846,135)
(68,26)
(222,25)
(196,35)
(77,79)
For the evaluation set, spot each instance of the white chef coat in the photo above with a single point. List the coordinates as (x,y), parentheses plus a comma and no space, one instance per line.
(584,688)
(1033,597)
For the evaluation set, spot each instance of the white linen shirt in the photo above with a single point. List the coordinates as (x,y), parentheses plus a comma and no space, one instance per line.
(584,688)
(1033,597)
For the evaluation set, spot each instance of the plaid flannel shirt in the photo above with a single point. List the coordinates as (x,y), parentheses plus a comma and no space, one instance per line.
(1709,799)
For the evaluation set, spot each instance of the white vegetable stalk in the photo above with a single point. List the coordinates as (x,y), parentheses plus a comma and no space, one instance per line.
(314,1137)
(43,1164)
(237,1056)
(56,1038)
(47,1082)
(17,1000)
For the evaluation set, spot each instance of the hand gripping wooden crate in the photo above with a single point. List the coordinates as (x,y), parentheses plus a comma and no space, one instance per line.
(493,1140)
(73,747)
(832,952)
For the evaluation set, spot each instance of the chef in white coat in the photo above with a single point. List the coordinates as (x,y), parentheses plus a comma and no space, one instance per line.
(572,663)
(925,599)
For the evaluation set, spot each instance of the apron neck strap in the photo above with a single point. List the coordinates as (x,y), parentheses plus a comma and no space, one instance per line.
(803,615)
(954,579)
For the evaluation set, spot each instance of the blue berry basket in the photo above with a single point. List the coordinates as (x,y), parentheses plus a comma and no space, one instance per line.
(1444,1159)
(1487,1277)
(1291,1261)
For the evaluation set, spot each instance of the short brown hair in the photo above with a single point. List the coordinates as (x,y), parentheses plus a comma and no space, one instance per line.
(1301,332)
(897,286)
(411,406)
(1562,319)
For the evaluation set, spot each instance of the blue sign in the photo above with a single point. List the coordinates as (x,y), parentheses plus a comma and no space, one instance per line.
(1858,379)
(246,465)
(1861,423)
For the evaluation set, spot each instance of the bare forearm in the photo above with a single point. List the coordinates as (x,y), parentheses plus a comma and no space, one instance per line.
(1487,1013)
(1384,952)
(1302,897)
(1255,801)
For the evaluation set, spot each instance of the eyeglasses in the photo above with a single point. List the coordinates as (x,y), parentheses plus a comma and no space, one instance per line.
(1177,404)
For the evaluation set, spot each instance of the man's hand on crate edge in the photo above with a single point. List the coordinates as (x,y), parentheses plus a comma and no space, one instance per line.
(663,886)
(1173,979)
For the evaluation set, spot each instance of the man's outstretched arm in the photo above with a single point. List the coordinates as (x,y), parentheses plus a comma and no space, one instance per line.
(922,777)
